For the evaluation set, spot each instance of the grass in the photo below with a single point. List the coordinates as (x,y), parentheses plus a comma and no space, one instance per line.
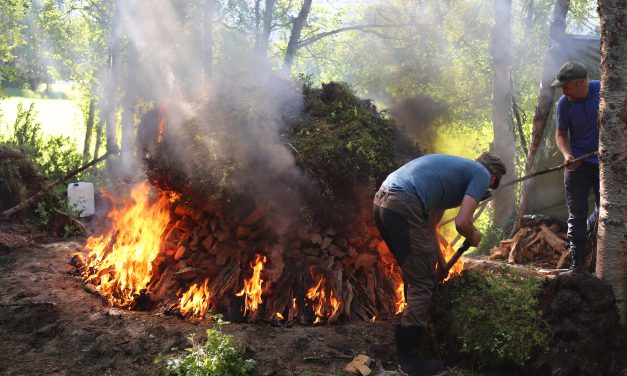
(59,112)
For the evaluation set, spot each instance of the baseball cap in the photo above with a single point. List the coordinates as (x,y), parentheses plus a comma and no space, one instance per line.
(572,70)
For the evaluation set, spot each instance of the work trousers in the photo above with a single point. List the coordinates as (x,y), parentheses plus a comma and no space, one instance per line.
(577,184)
(402,222)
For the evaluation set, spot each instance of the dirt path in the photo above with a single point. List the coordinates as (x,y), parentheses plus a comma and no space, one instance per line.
(49,325)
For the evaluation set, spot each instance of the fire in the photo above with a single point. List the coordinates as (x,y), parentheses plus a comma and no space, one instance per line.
(120,262)
(401,303)
(322,306)
(279,316)
(196,300)
(448,252)
(252,286)
(393,272)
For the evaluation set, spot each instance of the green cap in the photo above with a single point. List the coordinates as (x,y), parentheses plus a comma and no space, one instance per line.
(494,164)
(572,70)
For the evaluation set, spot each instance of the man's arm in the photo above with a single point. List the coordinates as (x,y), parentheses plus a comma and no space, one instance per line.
(463,221)
(563,144)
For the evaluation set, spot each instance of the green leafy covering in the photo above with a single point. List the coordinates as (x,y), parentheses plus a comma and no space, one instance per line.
(342,141)
(345,146)
(218,357)
(341,144)
(490,319)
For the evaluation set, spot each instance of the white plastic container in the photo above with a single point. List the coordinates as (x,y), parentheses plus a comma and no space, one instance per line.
(81,196)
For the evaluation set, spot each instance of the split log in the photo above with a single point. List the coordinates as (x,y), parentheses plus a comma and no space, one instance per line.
(553,240)
(517,245)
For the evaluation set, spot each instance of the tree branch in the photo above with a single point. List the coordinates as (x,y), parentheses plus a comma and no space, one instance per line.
(315,38)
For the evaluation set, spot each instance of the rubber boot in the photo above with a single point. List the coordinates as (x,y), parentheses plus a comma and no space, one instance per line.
(408,340)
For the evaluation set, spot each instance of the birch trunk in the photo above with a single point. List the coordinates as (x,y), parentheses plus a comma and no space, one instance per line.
(612,234)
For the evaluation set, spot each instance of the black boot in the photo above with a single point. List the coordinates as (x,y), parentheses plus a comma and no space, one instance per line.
(577,261)
(408,340)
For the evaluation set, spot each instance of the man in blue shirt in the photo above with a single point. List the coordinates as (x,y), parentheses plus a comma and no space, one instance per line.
(577,117)
(407,208)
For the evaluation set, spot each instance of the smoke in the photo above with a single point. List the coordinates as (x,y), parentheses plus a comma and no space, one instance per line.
(238,113)
(417,117)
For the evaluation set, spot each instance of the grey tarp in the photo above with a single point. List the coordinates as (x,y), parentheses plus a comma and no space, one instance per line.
(546,192)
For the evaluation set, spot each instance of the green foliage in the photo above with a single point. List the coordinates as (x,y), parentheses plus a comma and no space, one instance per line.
(217,357)
(18,177)
(53,157)
(491,319)
(345,141)
(344,145)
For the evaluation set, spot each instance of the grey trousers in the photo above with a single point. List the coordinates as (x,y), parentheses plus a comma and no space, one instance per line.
(402,222)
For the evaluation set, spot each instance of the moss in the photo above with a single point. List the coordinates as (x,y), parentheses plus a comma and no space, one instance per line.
(490,319)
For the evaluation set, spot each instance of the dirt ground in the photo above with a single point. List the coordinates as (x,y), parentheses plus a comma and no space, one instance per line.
(50,325)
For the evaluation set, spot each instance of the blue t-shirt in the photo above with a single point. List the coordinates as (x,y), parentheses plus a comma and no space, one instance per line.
(440,180)
(580,118)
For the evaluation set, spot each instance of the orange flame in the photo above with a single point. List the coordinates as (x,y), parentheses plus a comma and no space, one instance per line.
(120,262)
(401,303)
(279,316)
(448,252)
(196,300)
(252,286)
(392,271)
(322,306)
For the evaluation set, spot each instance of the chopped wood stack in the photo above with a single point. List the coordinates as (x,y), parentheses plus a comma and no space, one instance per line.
(543,244)
(205,247)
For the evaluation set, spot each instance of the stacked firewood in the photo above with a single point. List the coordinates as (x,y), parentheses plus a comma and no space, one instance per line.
(543,244)
(207,246)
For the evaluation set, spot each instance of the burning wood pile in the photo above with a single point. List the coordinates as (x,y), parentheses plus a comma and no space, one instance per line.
(167,256)
(542,242)
(251,226)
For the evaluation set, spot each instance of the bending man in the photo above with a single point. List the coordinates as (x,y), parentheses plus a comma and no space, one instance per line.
(406,210)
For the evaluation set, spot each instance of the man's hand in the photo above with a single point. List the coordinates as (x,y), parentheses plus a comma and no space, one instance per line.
(568,161)
(563,144)
(475,238)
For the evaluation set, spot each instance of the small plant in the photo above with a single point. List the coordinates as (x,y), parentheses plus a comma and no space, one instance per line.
(218,357)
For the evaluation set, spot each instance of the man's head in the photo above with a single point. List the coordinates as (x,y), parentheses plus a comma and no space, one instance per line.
(495,166)
(573,79)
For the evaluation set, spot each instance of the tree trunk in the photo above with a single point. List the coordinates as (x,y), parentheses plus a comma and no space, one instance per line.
(111,84)
(207,43)
(264,37)
(611,245)
(297,27)
(545,93)
(504,201)
(99,130)
(89,130)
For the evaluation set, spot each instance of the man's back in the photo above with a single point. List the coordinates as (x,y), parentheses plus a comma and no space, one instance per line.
(440,180)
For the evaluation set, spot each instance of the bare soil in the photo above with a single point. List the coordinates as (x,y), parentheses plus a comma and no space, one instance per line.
(50,325)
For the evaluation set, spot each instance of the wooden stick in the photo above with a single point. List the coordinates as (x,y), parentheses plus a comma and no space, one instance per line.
(527,177)
(32,199)
(546,171)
